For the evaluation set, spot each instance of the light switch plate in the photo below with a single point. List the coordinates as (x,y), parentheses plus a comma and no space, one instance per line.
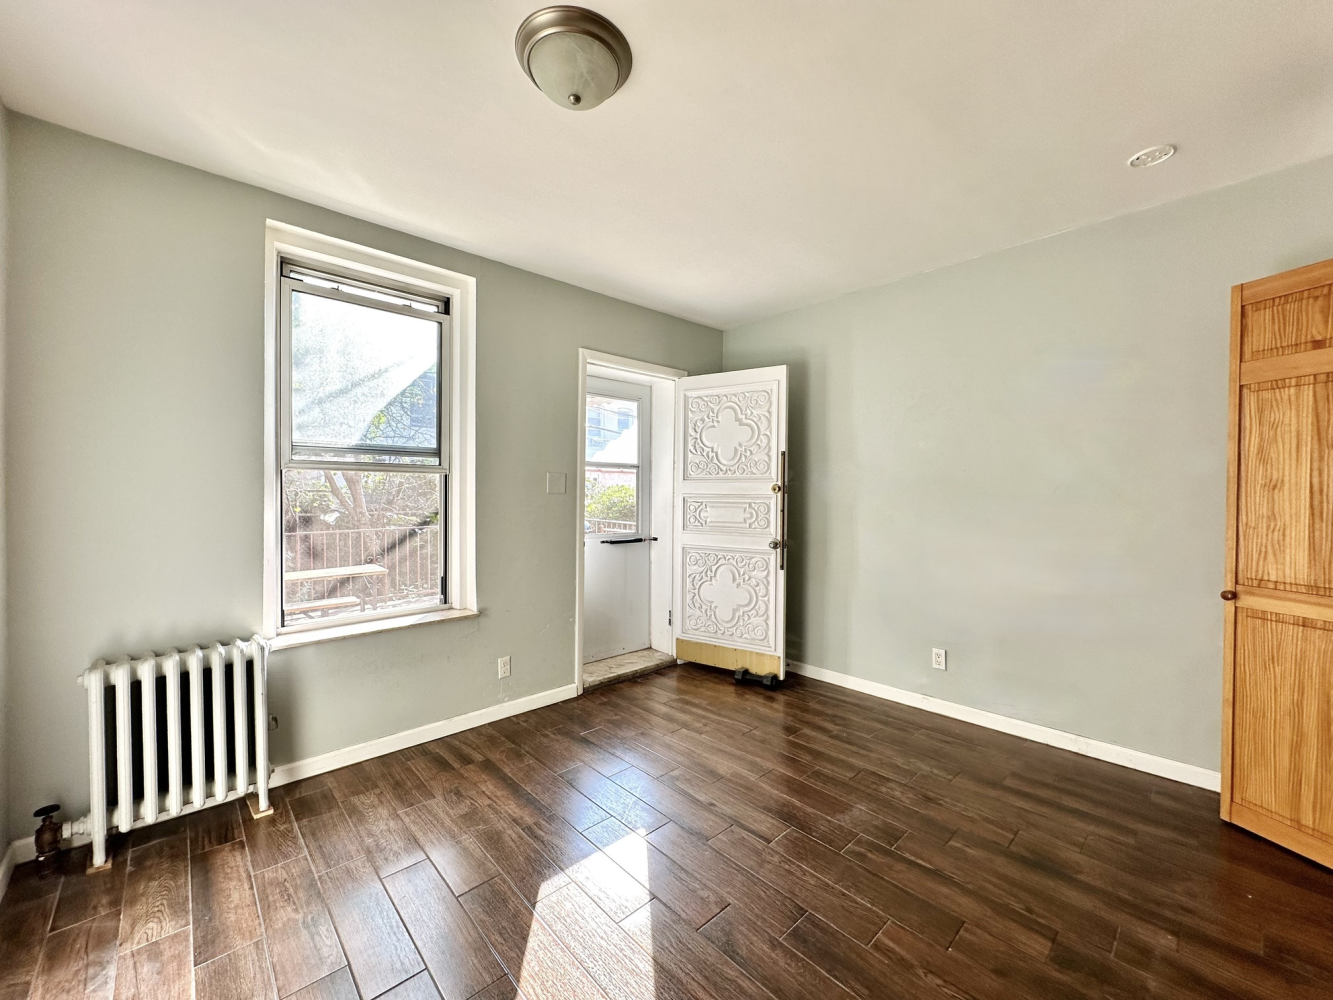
(555,482)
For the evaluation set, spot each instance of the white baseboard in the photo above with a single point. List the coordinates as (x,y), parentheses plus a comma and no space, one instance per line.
(335,759)
(1164,767)
(11,859)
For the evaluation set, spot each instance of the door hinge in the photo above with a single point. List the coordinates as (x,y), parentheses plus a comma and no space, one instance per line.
(668,616)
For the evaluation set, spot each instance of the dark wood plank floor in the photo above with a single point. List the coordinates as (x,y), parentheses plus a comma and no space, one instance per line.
(676,836)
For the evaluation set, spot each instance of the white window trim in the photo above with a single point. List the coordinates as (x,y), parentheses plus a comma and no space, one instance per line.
(283,241)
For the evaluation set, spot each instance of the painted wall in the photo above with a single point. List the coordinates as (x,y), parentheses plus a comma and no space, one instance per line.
(1022,459)
(135,443)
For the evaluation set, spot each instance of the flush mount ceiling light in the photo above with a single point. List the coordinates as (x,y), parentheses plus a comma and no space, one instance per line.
(576,57)
(1152,156)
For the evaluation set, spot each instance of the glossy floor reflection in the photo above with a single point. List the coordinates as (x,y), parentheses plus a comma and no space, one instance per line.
(676,836)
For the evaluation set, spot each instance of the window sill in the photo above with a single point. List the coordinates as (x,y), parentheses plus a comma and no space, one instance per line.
(308,637)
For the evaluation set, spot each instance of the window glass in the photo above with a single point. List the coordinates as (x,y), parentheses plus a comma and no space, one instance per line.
(613,430)
(611,500)
(362,377)
(360,542)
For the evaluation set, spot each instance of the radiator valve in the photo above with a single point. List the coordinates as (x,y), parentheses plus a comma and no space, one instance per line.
(47,839)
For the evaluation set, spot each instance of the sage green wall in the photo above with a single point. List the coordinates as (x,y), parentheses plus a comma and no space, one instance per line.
(1022,459)
(135,446)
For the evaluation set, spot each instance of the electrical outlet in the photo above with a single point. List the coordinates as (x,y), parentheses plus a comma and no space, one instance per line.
(938,659)
(504,666)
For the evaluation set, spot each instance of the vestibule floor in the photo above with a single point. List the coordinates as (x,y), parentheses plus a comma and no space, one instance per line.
(623,667)
(677,836)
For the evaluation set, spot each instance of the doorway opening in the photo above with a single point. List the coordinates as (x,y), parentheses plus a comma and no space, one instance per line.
(623,616)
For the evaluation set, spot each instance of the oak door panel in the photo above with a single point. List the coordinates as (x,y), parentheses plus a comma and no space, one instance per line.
(1288,324)
(1286,485)
(1283,738)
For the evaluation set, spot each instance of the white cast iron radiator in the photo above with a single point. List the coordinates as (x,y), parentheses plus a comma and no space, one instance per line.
(171,734)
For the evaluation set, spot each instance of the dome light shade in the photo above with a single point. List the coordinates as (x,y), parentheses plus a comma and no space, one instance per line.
(576,57)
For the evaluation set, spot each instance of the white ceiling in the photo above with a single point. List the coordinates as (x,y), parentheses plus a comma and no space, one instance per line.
(764,153)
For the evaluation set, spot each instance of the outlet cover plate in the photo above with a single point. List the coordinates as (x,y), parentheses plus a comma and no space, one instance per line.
(504,666)
(939,659)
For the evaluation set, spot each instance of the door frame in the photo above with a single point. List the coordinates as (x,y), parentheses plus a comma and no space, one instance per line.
(660,473)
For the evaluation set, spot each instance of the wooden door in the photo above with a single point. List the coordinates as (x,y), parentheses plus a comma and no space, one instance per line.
(730,527)
(1277,767)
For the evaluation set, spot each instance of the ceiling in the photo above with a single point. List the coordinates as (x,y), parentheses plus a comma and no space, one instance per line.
(764,153)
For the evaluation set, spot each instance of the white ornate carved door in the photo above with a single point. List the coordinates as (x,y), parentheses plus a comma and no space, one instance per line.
(730,525)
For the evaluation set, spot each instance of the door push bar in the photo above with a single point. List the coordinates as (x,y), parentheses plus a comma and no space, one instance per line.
(627,541)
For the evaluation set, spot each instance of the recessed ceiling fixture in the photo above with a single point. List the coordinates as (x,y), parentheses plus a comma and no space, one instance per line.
(1152,156)
(576,57)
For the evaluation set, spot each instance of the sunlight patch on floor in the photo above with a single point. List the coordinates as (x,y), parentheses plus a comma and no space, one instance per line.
(608,954)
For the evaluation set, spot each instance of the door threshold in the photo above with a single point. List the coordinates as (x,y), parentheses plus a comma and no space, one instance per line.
(621,668)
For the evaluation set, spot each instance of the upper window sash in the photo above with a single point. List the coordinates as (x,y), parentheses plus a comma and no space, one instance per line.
(295,278)
(361,292)
(387,290)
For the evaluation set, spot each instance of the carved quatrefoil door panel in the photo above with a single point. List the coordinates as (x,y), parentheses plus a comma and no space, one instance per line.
(730,519)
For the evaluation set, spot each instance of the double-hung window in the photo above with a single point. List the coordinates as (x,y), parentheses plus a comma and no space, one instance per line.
(363,480)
